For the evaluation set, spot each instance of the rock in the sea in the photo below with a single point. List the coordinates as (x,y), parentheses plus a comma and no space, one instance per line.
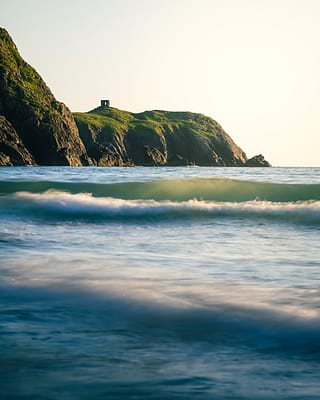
(257,161)
(45,126)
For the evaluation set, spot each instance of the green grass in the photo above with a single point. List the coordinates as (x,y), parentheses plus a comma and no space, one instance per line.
(109,122)
(21,80)
(115,121)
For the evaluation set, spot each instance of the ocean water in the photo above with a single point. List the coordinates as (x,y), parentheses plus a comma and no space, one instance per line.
(159,283)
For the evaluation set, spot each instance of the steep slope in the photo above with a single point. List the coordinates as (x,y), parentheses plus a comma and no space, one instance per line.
(45,126)
(115,137)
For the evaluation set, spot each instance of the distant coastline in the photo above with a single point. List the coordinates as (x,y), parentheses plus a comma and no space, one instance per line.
(36,129)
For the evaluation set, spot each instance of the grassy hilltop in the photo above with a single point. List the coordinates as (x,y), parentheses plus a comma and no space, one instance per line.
(116,137)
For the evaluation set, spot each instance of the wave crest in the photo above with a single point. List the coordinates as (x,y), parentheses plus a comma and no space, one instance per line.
(209,189)
(83,205)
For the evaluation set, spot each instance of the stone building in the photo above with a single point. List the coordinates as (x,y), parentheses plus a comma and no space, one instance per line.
(105,103)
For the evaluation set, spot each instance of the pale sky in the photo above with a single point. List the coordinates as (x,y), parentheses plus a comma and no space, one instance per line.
(252,65)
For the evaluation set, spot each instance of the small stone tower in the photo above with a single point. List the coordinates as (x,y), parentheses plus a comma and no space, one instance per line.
(105,103)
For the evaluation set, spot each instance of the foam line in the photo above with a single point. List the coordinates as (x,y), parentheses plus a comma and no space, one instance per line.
(60,204)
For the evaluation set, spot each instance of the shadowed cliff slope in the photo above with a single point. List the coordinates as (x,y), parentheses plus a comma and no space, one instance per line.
(45,126)
(12,150)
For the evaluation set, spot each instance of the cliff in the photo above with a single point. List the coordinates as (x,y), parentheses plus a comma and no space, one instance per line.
(45,127)
(36,129)
(115,138)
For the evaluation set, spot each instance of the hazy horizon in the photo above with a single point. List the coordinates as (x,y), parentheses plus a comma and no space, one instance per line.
(253,66)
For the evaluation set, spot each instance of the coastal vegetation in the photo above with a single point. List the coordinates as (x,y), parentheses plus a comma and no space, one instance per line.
(116,137)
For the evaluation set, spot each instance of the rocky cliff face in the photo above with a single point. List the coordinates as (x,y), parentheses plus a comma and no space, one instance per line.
(12,150)
(115,138)
(45,127)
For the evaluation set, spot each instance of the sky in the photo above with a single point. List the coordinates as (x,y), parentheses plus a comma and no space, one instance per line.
(252,65)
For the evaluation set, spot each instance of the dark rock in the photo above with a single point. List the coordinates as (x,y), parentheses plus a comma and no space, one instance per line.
(12,150)
(257,161)
(45,126)
(155,155)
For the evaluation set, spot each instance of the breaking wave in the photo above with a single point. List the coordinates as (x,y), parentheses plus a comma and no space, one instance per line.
(55,204)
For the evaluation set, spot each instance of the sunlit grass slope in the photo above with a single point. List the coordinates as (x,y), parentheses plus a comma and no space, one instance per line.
(117,137)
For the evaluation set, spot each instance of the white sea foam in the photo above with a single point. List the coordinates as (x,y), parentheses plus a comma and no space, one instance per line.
(84,205)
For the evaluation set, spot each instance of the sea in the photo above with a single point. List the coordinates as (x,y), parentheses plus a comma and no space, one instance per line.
(159,283)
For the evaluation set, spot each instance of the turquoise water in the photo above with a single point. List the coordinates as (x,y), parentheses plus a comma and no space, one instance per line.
(159,283)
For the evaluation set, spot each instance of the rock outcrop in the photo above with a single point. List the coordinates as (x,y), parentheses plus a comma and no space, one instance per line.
(45,126)
(12,150)
(257,161)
